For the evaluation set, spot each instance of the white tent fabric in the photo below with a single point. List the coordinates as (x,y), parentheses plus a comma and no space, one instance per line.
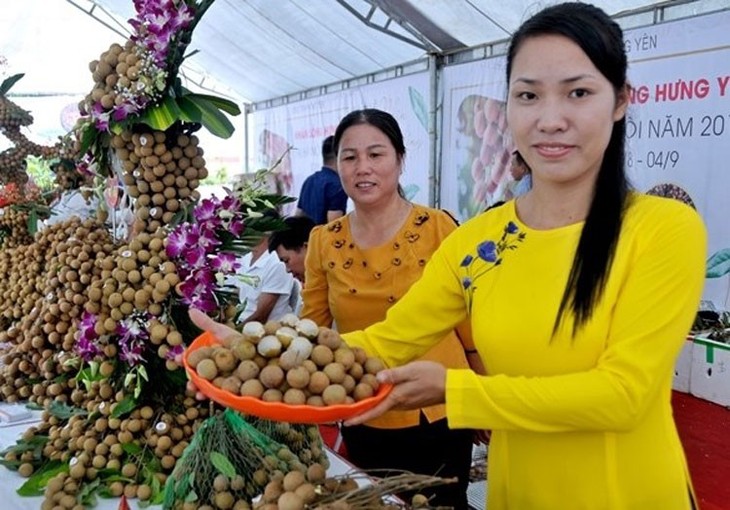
(254,50)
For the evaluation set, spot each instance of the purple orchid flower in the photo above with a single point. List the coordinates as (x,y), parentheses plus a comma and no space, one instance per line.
(195,257)
(231,203)
(225,263)
(174,353)
(206,210)
(208,238)
(122,111)
(87,349)
(131,351)
(86,342)
(198,290)
(236,227)
(183,237)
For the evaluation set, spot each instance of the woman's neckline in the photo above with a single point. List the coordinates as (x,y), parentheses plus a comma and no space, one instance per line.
(576,225)
(385,242)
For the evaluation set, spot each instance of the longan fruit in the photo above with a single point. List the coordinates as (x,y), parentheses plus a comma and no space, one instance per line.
(198,355)
(247,369)
(316,473)
(292,480)
(231,384)
(207,369)
(334,394)
(318,381)
(271,376)
(129,470)
(374,365)
(362,391)
(224,359)
(144,492)
(252,388)
(345,357)
(329,338)
(272,395)
(322,355)
(335,372)
(25,469)
(294,396)
(243,350)
(298,377)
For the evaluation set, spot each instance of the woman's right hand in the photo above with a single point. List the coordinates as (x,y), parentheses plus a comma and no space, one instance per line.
(222,332)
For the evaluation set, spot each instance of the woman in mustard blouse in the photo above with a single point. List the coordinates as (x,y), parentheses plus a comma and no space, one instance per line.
(578,395)
(357,267)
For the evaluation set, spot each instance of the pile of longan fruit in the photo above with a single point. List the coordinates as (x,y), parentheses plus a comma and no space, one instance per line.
(43,291)
(14,227)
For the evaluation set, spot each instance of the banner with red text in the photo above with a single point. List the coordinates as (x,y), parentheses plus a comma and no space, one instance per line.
(678,130)
(679,126)
(304,124)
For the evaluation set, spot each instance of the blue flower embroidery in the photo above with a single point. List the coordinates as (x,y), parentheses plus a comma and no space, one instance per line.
(487,251)
(489,254)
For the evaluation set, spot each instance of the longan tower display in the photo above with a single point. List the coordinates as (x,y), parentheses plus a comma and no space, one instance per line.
(162,171)
(12,119)
(87,314)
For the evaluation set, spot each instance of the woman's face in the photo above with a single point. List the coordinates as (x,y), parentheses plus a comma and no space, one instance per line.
(561,111)
(368,165)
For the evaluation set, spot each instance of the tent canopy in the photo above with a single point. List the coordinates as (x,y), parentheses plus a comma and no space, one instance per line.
(255,50)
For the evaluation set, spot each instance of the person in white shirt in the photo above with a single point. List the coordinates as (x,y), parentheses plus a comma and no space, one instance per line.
(266,287)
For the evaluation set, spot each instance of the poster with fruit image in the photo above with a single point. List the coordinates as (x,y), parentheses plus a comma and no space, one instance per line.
(476,153)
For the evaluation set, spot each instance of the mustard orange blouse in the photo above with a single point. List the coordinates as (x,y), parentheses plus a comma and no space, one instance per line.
(355,287)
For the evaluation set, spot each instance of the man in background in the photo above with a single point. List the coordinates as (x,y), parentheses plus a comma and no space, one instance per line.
(322,197)
(290,244)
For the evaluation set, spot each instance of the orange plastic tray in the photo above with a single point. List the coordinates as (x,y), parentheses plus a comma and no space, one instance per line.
(276,411)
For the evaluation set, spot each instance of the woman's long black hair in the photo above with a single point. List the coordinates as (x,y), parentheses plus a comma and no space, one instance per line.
(601,39)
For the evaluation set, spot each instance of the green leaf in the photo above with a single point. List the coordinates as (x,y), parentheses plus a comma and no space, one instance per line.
(87,493)
(126,406)
(192,496)
(189,111)
(212,118)
(35,484)
(222,464)
(132,448)
(12,465)
(88,137)
(719,264)
(64,411)
(9,82)
(222,104)
(158,494)
(419,106)
(163,115)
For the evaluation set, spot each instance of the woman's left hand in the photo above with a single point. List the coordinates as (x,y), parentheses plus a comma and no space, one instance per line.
(416,385)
